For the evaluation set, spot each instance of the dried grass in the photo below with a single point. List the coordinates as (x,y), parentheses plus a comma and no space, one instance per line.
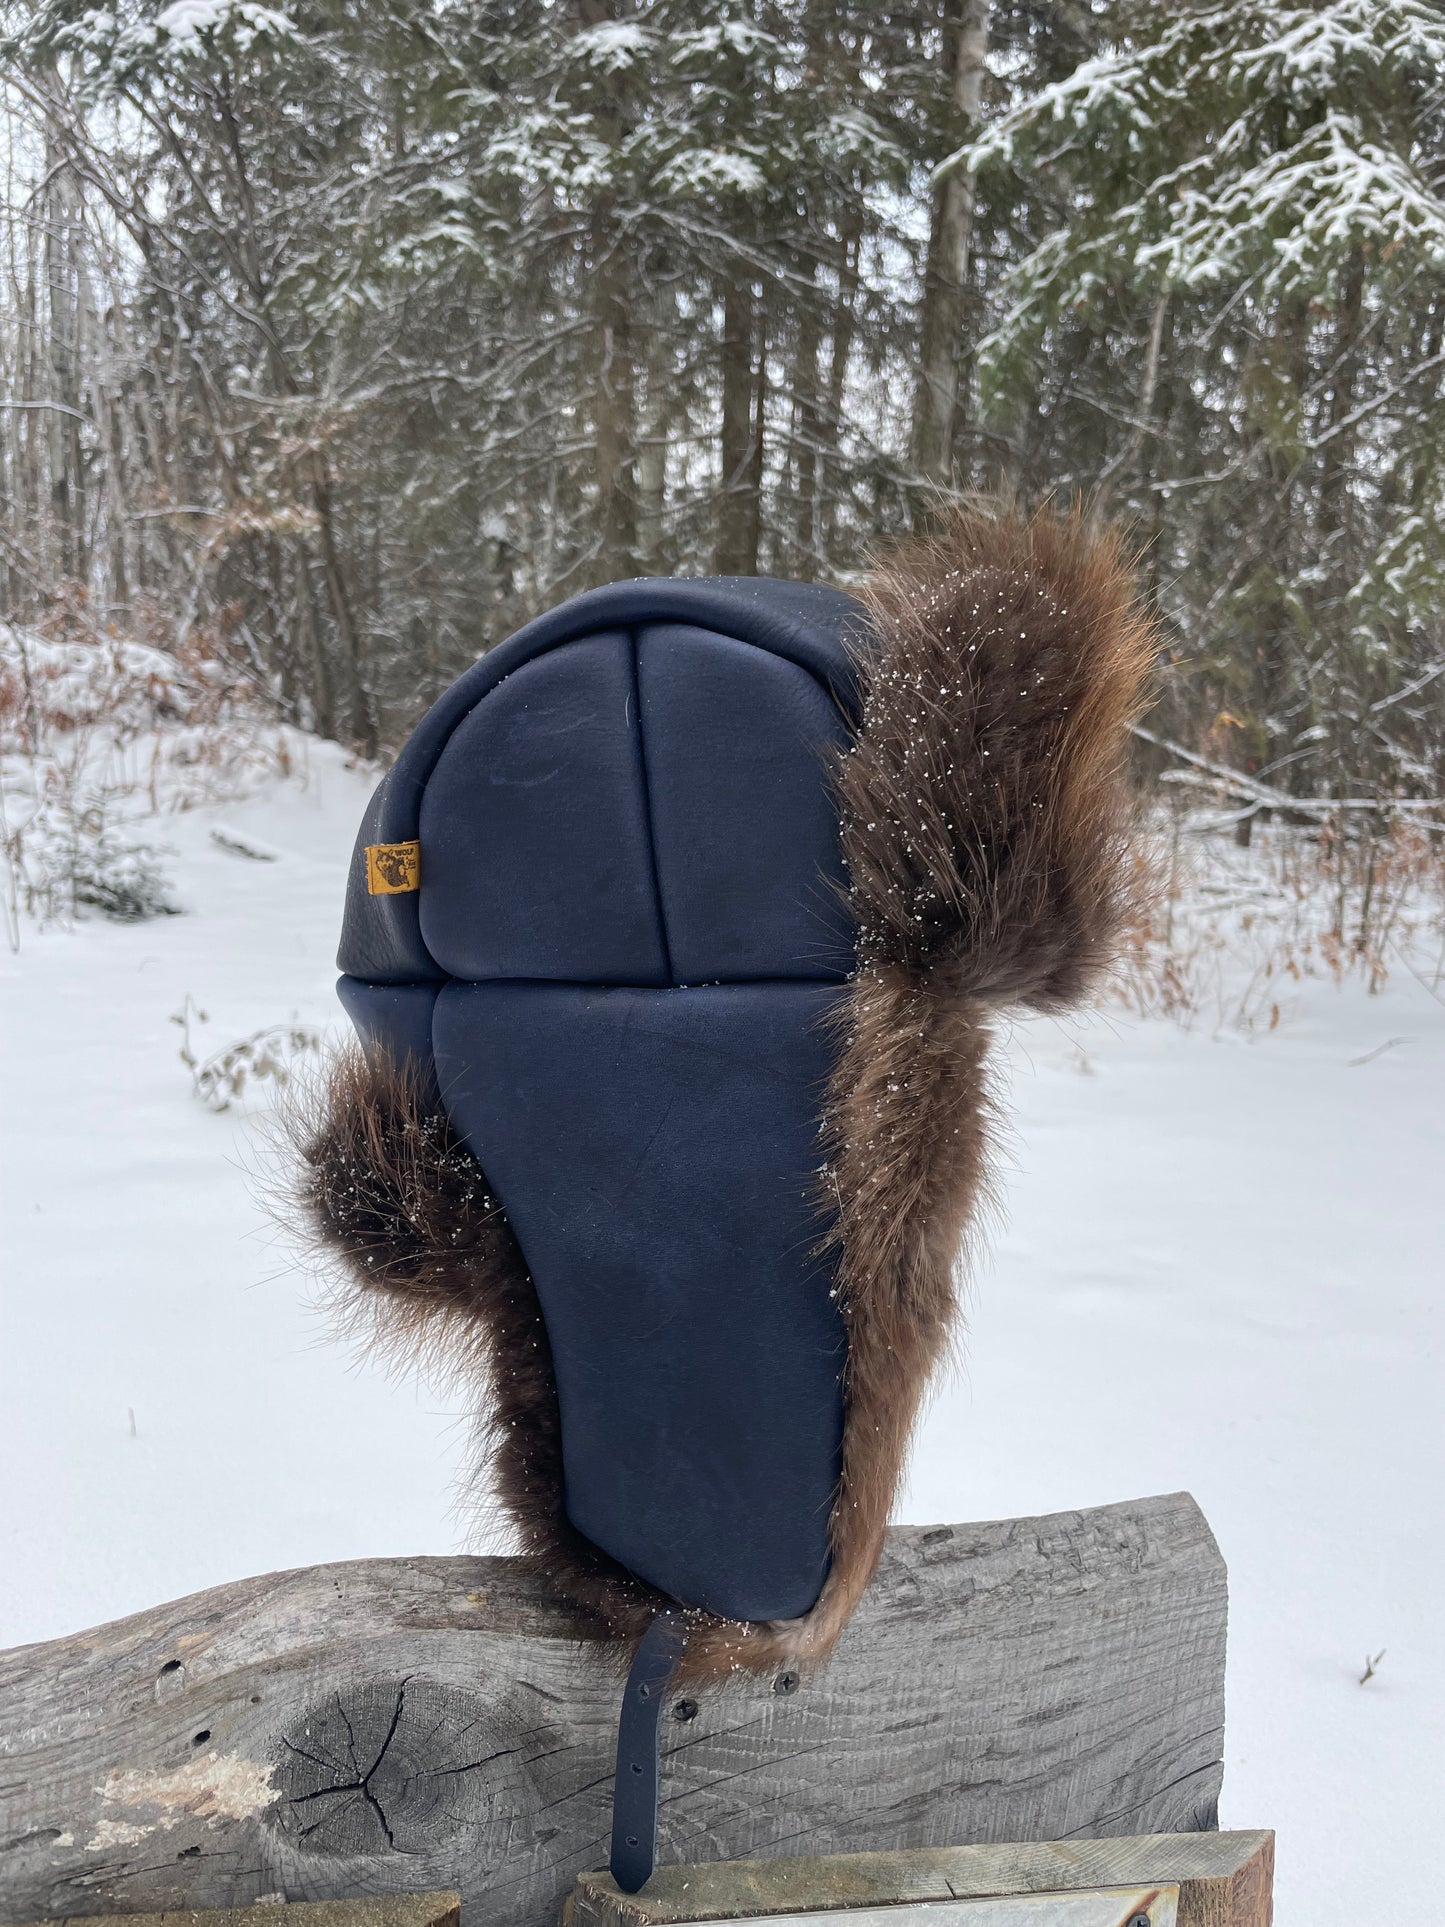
(99,733)
(1230,932)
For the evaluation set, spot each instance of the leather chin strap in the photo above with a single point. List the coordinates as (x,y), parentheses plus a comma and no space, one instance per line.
(639,1745)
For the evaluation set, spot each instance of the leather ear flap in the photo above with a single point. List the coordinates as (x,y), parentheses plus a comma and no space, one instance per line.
(424,1269)
(393,1022)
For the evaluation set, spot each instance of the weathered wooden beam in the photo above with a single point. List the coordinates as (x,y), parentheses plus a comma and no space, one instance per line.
(414,1724)
(1223,1880)
(382,1910)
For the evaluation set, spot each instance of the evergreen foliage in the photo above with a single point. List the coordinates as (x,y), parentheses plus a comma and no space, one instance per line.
(350,337)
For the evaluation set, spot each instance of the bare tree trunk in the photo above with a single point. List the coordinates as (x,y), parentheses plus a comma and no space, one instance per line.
(117,465)
(737,543)
(1349,676)
(1144,418)
(614,376)
(652,446)
(355,704)
(308,627)
(935,403)
(845,323)
(806,424)
(1344,375)
(1269,620)
(63,309)
(651,495)
(33,390)
(614,404)
(756,452)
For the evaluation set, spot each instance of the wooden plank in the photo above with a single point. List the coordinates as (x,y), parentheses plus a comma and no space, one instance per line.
(1152,1906)
(428,1723)
(1225,1880)
(383,1910)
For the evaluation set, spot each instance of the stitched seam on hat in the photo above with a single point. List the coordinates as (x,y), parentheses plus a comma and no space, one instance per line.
(646,776)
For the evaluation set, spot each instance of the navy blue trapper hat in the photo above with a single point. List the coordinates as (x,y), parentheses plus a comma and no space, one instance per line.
(671,942)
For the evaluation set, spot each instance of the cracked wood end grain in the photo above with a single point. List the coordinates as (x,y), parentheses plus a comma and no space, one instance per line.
(424,1724)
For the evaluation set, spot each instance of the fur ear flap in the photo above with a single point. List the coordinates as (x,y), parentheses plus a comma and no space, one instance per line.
(984,806)
(984,816)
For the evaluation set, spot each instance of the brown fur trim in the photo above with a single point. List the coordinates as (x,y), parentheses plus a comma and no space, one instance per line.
(984,808)
(984,827)
(984,817)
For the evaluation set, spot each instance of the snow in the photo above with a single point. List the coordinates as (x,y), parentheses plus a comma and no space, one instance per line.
(735,36)
(1218,1268)
(611,47)
(140,1276)
(710,170)
(1221,1272)
(187,20)
(854,137)
(128,684)
(111,46)
(1296,170)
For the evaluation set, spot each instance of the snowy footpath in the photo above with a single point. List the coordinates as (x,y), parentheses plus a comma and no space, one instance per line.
(1217,1265)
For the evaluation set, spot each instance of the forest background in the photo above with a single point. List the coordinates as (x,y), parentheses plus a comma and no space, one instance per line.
(335,342)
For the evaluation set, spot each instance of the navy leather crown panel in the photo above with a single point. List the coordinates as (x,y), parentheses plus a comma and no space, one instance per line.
(618,967)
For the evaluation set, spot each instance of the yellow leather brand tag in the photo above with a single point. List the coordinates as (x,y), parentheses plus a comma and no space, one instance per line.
(392,869)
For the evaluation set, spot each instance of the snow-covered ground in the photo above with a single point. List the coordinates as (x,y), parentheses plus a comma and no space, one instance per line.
(1220,1268)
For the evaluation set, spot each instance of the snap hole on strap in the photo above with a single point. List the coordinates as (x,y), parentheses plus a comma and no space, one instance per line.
(639,1736)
